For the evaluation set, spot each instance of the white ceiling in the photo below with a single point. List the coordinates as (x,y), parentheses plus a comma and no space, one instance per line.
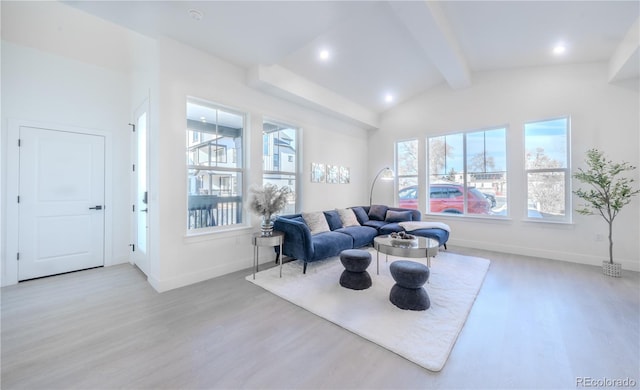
(384,47)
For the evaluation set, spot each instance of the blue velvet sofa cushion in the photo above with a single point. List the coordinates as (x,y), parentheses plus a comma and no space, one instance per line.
(361,235)
(330,244)
(389,228)
(437,234)
(374,224)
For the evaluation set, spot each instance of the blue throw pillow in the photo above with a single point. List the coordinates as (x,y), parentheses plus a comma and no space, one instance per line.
(377,212)
(360,214)
(398,216)
(333,219)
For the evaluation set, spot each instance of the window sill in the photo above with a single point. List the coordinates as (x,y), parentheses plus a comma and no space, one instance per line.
(467,217)
(533,220)
(218,233)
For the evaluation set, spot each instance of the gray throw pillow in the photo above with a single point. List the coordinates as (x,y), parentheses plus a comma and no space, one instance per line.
(378,212)
(316,222)
(398,216)
(348,217)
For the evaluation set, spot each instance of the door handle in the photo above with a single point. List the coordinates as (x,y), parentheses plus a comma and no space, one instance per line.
(95,208)
(143,211)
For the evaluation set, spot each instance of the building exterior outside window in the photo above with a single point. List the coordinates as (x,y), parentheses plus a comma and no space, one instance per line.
(214,155)
(279,159)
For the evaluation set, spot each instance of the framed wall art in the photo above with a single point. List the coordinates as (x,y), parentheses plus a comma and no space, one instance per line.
(318,173)
(345,175)
(333,174)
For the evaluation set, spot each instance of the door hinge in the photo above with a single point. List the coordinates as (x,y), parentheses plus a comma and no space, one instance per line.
(19,142)
(133,208)
(133,126)
(133,167)
(18,198)
(18,256)
(133,247)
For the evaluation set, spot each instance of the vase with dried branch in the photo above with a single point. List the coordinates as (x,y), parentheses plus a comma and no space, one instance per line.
(266,202)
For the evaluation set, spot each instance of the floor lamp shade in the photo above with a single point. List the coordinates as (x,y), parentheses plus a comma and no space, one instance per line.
(385,174)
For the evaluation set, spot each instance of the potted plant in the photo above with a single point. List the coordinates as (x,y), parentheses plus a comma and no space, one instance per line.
(608,193)
(267,201)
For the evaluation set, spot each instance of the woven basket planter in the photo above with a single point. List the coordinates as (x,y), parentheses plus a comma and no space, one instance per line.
(614,269)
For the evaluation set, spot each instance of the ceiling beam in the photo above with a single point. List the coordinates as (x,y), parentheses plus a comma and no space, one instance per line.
(428,25)
(625,62)
(281,82)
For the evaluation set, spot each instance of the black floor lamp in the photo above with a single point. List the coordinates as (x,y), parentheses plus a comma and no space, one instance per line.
(385,174)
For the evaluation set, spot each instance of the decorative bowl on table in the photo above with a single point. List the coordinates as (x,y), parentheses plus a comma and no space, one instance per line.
(403,239)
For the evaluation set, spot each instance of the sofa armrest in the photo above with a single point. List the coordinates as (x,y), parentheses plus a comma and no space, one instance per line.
(297,238)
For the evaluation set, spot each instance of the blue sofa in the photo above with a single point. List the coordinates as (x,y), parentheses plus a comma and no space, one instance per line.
(301,244)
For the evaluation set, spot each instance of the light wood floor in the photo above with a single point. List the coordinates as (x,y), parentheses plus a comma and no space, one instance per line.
(535,324)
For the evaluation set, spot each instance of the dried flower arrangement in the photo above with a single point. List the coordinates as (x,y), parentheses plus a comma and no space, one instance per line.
(268,199)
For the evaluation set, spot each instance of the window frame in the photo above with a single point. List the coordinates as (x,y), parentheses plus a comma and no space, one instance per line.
(229,175)
(398,176)
(568,194)
(465,180)
(284,175)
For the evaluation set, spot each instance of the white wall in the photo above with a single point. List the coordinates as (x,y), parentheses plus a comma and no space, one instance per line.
(602,115)
(188,72)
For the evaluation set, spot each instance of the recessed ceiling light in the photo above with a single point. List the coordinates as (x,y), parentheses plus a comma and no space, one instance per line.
(324,54)
(196,14)
(388,98)
(560,48)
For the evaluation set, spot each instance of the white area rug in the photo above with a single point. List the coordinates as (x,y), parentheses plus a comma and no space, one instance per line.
(423,337)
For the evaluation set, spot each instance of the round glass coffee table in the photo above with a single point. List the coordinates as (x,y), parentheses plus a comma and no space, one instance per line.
(420,247)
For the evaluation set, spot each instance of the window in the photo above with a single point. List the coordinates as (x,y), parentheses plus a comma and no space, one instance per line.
(467,173)
(279,162)
(407,172)
(547,170)
(214,163)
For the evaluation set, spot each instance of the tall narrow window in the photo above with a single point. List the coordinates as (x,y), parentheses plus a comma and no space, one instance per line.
(279,162)
(547,170)
(407,173)
(467,173)
(214,163)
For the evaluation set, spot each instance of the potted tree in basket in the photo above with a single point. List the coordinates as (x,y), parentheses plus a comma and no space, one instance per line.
(608,193)
(266,201)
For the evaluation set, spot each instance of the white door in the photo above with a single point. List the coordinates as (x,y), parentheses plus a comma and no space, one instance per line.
(139,254)
(61,202)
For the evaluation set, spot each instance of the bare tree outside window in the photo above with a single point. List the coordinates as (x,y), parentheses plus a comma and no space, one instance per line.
(547,169)
(407,173)
(439,149)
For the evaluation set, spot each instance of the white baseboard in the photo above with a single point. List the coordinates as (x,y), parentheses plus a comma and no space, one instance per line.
(627,264)
(162,285)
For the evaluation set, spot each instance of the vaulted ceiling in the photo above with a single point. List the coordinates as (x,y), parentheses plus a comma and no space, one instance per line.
(380,48)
